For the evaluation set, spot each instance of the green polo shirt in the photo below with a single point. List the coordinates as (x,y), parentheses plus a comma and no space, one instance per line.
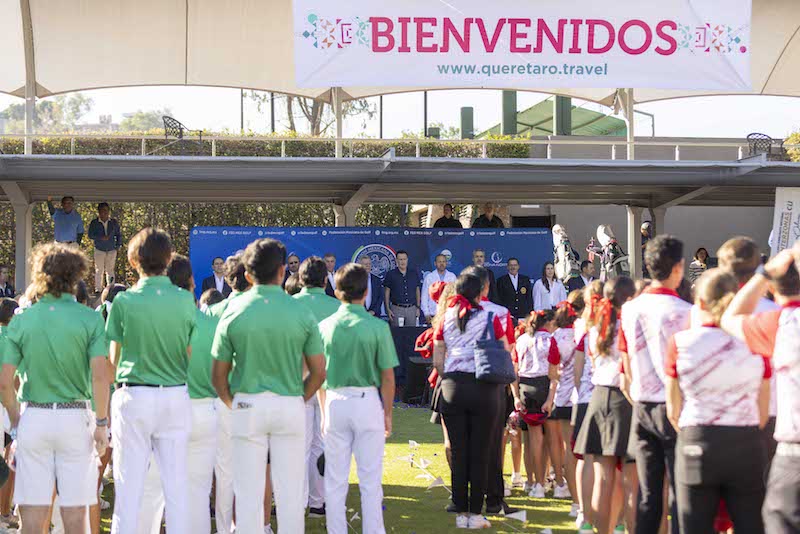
(216,310)
(52,344)
(199,374)
(266,333)
(321,305)
(357,346)
(154,322)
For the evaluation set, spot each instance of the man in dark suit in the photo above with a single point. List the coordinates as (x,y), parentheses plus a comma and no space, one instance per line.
(478,260)
(292,267)
(217,280)
(514,291)
(330,263)
(586,277)
(374,289)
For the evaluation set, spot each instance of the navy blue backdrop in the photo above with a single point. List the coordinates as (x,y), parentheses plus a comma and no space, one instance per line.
(532,246)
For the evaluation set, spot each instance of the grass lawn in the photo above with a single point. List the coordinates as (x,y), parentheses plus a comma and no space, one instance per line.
(410,507)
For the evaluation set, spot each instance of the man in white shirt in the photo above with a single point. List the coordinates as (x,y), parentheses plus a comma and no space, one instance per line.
(441,274)
(330,263)
(217,279)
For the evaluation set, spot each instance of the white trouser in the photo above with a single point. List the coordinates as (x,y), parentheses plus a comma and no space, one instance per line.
(104,264)
(354,427)
(150,421)
(223,470)
(200,463)
(267,423)
(315,485)
(151,511)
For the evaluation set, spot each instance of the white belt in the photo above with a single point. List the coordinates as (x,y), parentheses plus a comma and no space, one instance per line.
(353,392)
(788,449)
(203,402)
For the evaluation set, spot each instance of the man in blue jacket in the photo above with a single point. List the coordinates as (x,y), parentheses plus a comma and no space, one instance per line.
(107,237)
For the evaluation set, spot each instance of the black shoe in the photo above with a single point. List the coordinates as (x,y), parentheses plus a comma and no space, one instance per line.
(316,513)
(451,508)
(508,510)
(503,508)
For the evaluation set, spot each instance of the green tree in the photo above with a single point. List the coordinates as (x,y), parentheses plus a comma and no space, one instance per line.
(318,115)
(52,115)
(142,121)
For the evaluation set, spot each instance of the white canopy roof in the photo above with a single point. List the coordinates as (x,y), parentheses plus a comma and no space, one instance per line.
(75,45)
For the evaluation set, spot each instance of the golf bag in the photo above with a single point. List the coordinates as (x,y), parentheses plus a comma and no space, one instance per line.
(565,260)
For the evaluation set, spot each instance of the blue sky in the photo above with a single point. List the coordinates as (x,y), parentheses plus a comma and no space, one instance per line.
(217,109)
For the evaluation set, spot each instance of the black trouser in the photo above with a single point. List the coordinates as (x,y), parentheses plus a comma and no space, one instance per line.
(495,491)
(652,443)
(469,409)
(782,505)
(720,462)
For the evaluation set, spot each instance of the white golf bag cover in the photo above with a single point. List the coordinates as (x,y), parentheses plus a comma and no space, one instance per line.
(566,263)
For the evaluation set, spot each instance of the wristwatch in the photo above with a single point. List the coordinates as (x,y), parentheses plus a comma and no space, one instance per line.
(102,422)
(13,434)
(760,270)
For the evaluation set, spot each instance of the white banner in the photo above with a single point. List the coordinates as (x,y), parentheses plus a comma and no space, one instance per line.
(786,220)
(666,44)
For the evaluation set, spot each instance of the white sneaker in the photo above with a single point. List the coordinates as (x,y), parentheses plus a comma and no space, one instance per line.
(516,480)
(477,522)
(561,492)
(268,529)
(527,487)
(579,520)
(104,504)
(537,492)
(506,492)
(462,521)
(573,511)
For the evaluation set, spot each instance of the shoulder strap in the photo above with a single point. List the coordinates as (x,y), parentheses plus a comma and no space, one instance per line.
(488,333)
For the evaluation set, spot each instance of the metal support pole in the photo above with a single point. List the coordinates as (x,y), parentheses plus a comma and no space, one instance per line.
(380,117)
(658,216)
(23,219)
(272,111)
(337,110)
(30,74)
(508,125)
(562,115)
(630,119)
(634,240)
(241,111)
(424,113)
(467,123)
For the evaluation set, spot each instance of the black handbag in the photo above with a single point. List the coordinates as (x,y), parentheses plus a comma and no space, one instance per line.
(492,361)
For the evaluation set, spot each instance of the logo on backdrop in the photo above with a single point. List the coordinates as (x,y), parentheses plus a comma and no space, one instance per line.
(383,258)
(447,254)
(497,258)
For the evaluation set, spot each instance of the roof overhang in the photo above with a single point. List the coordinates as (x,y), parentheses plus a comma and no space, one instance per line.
(749,182)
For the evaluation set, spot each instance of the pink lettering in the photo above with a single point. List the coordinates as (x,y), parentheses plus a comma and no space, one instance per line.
(385,34)
(592,47)
(576,35)
(490,45)
(516,35)
(404,48)
(544,31)
(670,39)
(422,34)
(449,30)
(648,37)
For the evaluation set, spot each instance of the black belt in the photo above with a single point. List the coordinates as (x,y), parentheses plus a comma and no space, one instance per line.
(404,305)
(135,385)
(74,405)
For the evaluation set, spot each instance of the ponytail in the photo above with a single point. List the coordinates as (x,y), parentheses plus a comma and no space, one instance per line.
(616,293)
(538,319)
(715,291)
(569,310)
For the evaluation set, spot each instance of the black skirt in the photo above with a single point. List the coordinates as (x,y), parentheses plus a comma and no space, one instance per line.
(562,413)
(534,392)
(607,424)
(436,397)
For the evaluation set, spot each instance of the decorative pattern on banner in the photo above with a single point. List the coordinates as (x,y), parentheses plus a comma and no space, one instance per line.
(532,246)
(670,44)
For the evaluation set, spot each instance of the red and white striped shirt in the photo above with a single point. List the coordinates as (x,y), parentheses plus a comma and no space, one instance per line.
(535,353)
(605,369)
(583,393)
(776,334)
(718,376)
(648,323)
(764,305)
(567,346)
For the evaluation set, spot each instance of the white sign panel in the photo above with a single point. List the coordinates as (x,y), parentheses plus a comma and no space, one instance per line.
(786,221)
(666,44)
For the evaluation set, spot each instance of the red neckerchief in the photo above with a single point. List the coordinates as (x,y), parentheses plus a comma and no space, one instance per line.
(464,303)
